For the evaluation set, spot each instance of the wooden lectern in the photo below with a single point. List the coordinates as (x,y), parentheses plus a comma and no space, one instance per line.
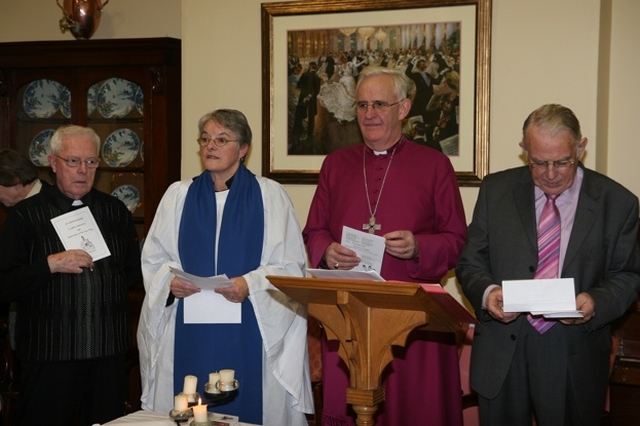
(367,317)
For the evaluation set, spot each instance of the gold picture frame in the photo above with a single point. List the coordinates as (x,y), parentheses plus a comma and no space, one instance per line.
(281,20)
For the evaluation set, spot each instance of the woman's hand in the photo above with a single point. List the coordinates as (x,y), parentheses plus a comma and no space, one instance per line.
(236,293)
(181,289)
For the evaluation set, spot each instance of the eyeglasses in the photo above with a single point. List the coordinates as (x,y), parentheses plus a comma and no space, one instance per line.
(544,165)
(219,142)
(73,162)
(378,106)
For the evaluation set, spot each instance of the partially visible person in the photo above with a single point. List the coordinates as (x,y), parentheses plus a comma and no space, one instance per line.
(408,194)
(18,180)
(338,95)
(417,132)
(18,177)
(585,226)
(306,109)
(226,221)
(424,88)
(72,325)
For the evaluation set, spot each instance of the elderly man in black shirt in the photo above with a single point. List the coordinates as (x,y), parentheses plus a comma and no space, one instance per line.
(72,328)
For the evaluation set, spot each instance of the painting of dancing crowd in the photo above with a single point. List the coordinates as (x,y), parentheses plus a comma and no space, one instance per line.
(323,68)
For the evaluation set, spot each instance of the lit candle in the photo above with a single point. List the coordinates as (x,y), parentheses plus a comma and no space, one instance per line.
(200,412)
(181,403)
(190,384)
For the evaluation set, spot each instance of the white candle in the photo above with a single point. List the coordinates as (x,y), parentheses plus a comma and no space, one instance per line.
(213,378)
(181,403)
(226,376)
(190,384)
(200,413)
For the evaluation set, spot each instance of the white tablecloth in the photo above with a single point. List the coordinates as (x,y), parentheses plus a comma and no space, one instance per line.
(147,418)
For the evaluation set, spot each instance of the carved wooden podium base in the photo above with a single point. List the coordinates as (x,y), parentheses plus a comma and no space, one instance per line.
(365,404)
(367,318)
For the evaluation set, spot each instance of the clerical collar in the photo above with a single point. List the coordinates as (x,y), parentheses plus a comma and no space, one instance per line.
(227,183)
(386,151)
(65,203)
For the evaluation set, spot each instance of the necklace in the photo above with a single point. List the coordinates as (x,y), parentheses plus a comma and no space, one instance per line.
(372,226)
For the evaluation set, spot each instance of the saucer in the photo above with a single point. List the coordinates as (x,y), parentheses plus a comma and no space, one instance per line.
(181,416)
(129,195)
(42,98)
(121,148)
(65,102)
(116,98)
(92,95)
(40,149)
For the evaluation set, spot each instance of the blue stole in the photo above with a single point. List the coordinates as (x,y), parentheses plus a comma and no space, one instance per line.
(201,349)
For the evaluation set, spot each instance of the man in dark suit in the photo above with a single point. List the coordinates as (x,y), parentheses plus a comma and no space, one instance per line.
(558,377)
(424,89)
(309,86)
(331,64)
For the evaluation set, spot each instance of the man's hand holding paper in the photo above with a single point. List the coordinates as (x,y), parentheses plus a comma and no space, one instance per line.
(369,248)
(552,298)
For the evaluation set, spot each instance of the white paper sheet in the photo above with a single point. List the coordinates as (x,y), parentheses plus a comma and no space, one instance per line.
(560,314)
(369,247)
(547,296)
(347,275)
(78,230)
(208,307)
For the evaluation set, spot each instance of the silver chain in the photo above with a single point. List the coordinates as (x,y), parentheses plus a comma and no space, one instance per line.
(384,179)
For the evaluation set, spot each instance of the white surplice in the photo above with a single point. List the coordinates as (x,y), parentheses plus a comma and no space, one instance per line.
(282,321)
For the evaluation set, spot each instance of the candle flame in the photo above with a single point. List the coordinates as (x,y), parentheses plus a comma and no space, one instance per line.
(199,401)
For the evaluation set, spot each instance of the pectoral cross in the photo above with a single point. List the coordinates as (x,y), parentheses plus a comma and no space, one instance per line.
(372,226)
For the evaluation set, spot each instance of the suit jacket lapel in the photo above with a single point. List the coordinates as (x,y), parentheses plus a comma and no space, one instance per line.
(586,213)
(525,203)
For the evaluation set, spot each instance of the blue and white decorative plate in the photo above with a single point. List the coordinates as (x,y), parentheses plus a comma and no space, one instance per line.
(42,98)
(65,101)
(142,151)
(140,100)
(129,195)
(121,148)
(92,95)
(40,148)
(116,98)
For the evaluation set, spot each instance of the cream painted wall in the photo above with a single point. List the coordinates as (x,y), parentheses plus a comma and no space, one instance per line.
(624,96)
(542,51)
(536,54)
(33,20)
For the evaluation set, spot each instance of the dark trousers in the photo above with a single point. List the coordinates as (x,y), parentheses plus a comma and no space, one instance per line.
(71,393)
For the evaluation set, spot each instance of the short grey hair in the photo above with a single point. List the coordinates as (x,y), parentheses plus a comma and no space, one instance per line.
(554,118)
(233,120)
(403,86)
(72,130)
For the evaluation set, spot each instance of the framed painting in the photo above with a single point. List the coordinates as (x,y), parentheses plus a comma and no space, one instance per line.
(312,52)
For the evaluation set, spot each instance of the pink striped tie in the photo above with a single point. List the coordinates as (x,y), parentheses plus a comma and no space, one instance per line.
(548,253)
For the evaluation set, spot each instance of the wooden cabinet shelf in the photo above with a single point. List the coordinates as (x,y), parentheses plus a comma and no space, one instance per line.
(128,91)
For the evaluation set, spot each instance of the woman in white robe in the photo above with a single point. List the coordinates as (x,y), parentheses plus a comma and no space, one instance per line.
(286,386)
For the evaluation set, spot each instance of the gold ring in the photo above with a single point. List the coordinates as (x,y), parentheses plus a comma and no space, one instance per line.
(337,265)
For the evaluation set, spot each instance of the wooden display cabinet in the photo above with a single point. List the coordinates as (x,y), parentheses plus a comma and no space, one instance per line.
(128,91)
(624,383)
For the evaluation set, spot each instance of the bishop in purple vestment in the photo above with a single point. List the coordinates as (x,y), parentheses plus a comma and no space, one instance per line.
(407,193)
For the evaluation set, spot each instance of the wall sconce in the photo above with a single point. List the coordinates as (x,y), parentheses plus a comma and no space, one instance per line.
(81,17)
